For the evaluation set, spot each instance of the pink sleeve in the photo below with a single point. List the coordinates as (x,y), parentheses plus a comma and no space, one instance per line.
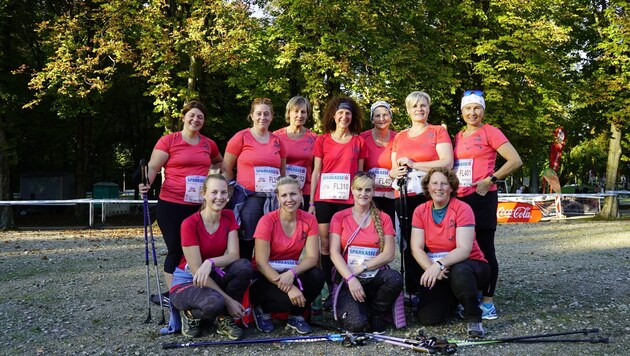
(264,229)
(214,149)
(313,227)
(417,220)
(232,218)
(442,136)
(335,226)
(364,152)
(164,143)
(318,150)
(496,138)
(388,227)
(235,144)
(465,215)
(283,150)
(188,230)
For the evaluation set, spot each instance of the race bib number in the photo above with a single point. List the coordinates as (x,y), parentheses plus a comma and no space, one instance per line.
(436,256)
(283,265)
(299,172)
(464,170)
(334,186)
(193,189)
(381,177)
(359,255)
(266,178)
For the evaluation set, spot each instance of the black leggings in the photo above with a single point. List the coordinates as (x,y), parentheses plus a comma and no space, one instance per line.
(169,218)
(272,299)
(412,268)
(461,287)
(207,303)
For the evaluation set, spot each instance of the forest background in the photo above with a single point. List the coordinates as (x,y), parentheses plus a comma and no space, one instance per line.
(88,86)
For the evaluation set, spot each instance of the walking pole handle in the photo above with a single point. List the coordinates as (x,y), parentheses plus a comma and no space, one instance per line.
(144,171)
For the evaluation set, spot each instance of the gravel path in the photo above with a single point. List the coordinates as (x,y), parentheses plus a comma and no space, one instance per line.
(84,292)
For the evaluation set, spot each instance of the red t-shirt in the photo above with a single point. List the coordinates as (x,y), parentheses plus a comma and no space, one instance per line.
(378,161)
(299,155)
(184,160)
(341,158)
(284,247)
(344,225)
(480,147)
(252,153)
(194,233)
(442,237)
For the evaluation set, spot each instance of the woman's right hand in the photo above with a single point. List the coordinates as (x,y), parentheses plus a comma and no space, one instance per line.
(143,188)
(311,209)
(356,290)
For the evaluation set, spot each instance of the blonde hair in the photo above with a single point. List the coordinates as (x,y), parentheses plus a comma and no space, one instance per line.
(298,102)
(287,180)
(363,181)
(416,96)
(212,175)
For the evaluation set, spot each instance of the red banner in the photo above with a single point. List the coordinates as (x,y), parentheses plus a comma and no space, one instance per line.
(512,212)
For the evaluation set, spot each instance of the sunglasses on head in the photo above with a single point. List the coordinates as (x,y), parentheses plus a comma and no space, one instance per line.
(473,92)
(366,174)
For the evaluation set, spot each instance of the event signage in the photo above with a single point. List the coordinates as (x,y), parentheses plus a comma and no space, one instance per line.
(512,212)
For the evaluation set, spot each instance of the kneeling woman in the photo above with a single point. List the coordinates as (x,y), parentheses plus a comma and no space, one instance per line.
(283,282)
(361,245)
(210,280)
(443,243)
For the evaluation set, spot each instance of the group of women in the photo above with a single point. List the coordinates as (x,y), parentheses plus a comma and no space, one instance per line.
(308,210)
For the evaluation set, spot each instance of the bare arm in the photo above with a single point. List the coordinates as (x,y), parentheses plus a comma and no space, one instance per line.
(229,162)
(157,161)
(317,170)
(217,162)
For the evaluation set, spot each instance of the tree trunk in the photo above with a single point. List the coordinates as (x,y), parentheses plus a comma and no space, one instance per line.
(6,213)
(610,210)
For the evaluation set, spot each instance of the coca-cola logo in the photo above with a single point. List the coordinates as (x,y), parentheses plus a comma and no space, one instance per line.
(518,212)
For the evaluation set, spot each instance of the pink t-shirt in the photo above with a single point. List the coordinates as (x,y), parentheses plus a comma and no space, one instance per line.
(184,160)
(299,155)
(284,247)
(480,150)
(340,158)
(344,225)
(194,233)
(252,153)
(379,159)
(442,237)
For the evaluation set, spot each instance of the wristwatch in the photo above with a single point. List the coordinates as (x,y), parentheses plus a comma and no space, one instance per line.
(493,179)
(442,268)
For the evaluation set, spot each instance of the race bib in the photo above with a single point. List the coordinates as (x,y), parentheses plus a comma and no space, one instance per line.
(359,255)
(283,265)
(299,172)
(193,189)
(334,186)
(436,256)
(266,178)
(464,170)
(381,177)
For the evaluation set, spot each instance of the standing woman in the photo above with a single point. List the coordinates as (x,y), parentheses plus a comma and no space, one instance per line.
(259,158)
(302,141)
(210,280)
(362,244)
(339,154)
(283,282)
(186,156)
(415,151)
(476,148)
(379,141)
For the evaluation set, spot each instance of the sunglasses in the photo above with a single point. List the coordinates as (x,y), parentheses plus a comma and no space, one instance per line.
(473,92)
(370,175)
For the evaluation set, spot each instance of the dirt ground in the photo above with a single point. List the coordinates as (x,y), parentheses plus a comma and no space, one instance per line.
(84,292)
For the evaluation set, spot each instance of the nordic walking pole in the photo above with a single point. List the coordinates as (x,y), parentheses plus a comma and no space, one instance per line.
(144,168)
(291,339)
(534,338)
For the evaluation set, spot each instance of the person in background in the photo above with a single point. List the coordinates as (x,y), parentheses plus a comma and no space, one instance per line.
(415,151)
(339,154)
(210,280)
(301,141)
(476,149)
(186,157)
(260,160)
(379,141)
(362,244)
(443,242)
(283,282)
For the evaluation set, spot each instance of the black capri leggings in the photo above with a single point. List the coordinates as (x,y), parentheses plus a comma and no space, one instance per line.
(169,218)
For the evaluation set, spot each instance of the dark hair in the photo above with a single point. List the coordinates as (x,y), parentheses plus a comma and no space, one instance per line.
(299,102)
(450,177)
(328,121)
(194,104)
(259,101)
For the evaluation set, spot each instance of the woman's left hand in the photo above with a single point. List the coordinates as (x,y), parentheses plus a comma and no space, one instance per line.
(285,281)
(296,297)
(483,186)
(203,274)
(431,276)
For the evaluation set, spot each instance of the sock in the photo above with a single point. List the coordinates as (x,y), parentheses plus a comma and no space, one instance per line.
(487,305)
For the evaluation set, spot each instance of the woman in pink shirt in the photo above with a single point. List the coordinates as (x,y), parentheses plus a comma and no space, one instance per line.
(301,142)
(339,154)
(443,243)
(415,151)
(186,157)
(379,141)
(476,148)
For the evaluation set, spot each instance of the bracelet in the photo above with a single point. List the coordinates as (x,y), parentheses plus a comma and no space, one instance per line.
(311,204)
(211,261)
(297,278)
(350,277)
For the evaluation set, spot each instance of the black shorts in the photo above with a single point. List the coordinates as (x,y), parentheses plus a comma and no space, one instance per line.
(324,211)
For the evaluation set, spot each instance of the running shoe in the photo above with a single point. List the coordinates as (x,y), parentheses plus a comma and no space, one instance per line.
(227,327)
(488,313)
(262,320)
(297,323)
(190,326)
(476,330)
